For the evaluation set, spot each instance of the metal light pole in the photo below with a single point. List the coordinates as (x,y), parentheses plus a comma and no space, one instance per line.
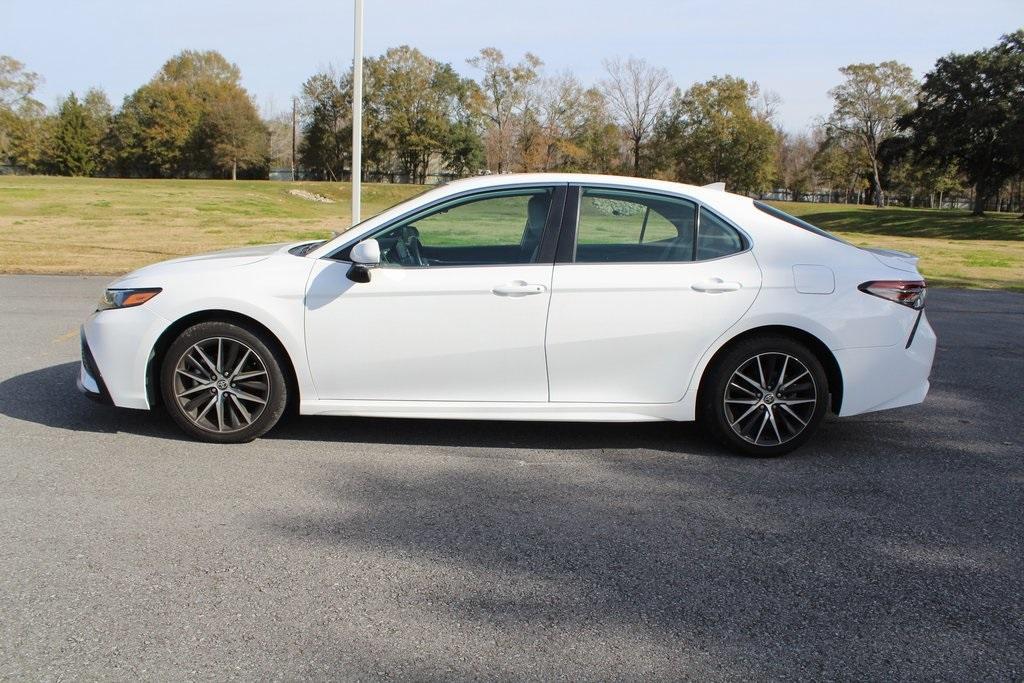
(357,112)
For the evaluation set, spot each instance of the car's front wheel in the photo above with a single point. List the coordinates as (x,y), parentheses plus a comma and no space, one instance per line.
(765,396)
(222,382)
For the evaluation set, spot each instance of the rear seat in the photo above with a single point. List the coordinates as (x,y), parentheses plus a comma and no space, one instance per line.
(633,253)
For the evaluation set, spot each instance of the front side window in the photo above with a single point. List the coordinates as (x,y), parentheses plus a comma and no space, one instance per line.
(619,226)
(495,228)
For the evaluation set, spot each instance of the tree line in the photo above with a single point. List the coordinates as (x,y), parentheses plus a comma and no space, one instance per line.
(958,131)
(193,119)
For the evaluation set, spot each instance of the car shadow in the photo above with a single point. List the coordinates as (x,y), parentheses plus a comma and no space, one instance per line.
(48,397)
(661,436)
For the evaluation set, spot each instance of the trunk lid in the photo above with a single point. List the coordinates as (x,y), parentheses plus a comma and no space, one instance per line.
(900,260)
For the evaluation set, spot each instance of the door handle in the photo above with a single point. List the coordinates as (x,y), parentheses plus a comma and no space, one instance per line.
(715,285)
(518,288)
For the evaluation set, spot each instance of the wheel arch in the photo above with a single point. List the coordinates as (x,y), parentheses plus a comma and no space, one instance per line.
(821,351)
(172,331)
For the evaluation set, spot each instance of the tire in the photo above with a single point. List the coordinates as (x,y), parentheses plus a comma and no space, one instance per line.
(223,382)
(770,416)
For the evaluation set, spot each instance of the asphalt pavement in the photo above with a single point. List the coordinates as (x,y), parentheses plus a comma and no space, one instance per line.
(892,546)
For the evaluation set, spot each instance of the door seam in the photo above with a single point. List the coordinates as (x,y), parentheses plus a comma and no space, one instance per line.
(547,320)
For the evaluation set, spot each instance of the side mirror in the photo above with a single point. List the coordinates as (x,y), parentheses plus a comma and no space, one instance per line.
(364,256)
(366,253)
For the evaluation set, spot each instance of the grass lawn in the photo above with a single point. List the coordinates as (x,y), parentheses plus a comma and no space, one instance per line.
(86,225)
(96,225)
(956,249)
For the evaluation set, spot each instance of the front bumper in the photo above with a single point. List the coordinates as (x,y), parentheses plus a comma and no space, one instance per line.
(90,381)
(120,343)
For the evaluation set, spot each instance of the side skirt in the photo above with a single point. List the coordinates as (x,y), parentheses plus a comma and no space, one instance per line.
(470,410)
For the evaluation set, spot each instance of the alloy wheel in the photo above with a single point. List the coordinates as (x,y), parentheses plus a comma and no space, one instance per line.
(221,384)
(770,399)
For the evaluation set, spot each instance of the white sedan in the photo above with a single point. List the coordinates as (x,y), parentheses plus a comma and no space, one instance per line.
(527,297)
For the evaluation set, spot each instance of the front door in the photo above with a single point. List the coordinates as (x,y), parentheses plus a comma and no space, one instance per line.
(456,312)
(646,291)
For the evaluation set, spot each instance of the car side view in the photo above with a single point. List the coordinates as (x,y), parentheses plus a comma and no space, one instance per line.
(527,297)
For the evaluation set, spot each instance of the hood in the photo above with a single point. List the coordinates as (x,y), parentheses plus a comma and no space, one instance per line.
(199,263)
(247,253)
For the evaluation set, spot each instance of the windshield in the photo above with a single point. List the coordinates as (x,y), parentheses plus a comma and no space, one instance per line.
(793,220)
(425,190)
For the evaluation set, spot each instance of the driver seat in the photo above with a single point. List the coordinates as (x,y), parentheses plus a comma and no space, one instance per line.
(536,217)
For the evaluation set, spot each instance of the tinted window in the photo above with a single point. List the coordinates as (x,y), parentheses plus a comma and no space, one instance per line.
(492,229)
(715,238)
(628,227)
(793,220)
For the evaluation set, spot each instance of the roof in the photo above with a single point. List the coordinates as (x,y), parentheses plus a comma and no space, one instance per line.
(711,196)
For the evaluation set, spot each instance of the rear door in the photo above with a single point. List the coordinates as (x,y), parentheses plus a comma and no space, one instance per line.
(643,284)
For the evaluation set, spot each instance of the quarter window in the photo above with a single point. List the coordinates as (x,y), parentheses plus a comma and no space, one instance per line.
(715,239)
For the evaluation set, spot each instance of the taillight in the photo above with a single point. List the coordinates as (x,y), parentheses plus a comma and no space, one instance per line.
(907,292)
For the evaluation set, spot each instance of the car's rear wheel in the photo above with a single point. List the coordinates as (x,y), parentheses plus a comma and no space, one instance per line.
(765,396)
(222,382)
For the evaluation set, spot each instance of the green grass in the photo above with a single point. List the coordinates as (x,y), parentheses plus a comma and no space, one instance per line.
(496,221)
(85,225)
(956,249)
(899,222)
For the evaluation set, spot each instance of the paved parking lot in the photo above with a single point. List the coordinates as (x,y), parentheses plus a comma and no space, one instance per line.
(890,547)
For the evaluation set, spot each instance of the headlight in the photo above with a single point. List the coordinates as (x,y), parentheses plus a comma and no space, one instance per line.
(126,298)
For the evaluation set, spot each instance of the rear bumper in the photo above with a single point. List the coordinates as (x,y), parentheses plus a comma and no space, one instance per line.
(883,377)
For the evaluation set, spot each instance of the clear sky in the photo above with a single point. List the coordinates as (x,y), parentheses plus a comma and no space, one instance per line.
(790,46)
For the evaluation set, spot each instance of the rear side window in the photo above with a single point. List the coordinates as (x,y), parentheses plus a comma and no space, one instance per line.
(626,226)
(793,220)
(618,226)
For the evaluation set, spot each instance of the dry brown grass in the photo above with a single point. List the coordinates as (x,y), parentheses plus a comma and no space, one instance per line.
(86,225)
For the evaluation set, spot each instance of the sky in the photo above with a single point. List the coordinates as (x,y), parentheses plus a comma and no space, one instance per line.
(791,47)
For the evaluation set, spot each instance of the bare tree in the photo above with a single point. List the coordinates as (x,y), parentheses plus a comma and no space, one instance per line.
(794,163)
(562,116)
(280,127)
(637,93)
(767,105)
(867,106)
(507,88)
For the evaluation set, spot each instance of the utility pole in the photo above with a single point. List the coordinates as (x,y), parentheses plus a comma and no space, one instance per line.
(295,117)
(357,111)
